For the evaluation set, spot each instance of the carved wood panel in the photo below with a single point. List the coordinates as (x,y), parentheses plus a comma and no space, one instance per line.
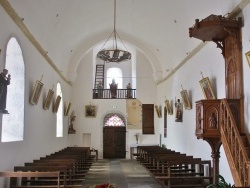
(207,118)
(233,63)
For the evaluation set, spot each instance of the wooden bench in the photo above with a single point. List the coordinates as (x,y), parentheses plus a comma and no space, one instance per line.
(41,175)
(80,163)
(172,177)
(82,154)
(67,172)
(173,167)
(73,174)
(71,162)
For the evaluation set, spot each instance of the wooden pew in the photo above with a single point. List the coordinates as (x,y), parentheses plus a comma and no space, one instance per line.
(83,152)
(80,162)
(21,175)
(71,162)
(72,176)
(160,162)
(173,177)
(173,167)
(63,170)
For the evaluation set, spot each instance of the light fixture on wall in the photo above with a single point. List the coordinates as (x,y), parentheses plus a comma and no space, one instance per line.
(114,55)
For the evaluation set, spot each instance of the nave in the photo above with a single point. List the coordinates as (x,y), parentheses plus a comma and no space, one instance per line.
(123,173)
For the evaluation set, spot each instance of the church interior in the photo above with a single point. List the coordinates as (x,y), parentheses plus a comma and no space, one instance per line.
(117,76)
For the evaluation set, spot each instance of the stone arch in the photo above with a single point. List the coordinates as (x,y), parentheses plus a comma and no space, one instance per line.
(88,45)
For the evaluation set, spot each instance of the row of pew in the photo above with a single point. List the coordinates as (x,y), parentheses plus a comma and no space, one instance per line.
(175,169)
(65,168)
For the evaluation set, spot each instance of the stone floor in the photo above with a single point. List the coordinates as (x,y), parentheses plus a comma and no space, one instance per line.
(121,172)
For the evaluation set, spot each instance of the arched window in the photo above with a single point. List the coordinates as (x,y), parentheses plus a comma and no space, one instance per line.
(114,120)
(13,123)
(114,73)
(59,114)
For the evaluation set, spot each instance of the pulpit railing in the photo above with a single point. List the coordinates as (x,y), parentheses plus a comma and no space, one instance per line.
(119,94)
(234,147)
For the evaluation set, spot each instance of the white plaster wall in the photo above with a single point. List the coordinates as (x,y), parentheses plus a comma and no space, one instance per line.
(181,135)
(82,95)
(40,125)
(39,133)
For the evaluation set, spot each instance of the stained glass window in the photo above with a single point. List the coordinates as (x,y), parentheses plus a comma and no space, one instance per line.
(114,120)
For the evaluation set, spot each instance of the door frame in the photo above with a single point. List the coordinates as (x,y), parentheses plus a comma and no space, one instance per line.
(105,119)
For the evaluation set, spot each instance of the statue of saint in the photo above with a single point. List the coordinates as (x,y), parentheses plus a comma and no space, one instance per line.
(129,91)
(100,90)
(113,88)
(213,121)
(4,82)
(71,125)
(178,114)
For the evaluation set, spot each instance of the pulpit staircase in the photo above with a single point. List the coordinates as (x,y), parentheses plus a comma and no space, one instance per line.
(236,145)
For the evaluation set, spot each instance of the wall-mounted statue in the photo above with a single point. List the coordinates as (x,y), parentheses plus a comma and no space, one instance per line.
(71,125)
(4,82)
(179,110)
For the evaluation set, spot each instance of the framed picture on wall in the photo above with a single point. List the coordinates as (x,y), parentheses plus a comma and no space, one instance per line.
(207,88)
(57,103)
(48,99)
(248,57)
(90,111)
(36,92)
(185,99)
(168,107)
(158,110)
(66,112)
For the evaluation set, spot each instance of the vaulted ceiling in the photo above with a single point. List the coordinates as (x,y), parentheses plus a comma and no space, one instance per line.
(68,29)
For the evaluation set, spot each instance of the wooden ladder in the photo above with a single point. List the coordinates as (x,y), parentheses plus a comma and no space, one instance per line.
(99,75)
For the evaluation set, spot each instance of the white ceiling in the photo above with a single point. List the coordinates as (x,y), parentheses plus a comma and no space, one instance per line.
(66,29)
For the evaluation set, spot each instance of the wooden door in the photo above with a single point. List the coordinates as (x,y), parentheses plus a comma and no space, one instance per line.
(114,142)
(148,119)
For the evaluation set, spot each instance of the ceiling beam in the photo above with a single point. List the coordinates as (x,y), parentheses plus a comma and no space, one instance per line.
(19,22)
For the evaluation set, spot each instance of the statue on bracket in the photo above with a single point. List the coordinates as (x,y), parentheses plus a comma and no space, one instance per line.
(4,82)
(71,125)
(178,111)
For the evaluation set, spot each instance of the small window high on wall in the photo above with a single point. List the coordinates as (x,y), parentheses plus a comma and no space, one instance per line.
(59,114)
(116,74)
(13,123)
(114,120)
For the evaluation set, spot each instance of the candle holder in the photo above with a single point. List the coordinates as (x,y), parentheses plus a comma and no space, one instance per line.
(137,135)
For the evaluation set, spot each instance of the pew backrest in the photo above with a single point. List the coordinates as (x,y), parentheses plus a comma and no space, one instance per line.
(54,174)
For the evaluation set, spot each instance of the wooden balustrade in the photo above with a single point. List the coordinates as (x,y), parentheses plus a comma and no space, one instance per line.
(234,147)
(120,94)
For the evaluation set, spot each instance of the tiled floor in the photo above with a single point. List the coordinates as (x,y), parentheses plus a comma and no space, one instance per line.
(121,172)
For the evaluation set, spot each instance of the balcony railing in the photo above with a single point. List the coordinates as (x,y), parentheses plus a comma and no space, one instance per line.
(119,94)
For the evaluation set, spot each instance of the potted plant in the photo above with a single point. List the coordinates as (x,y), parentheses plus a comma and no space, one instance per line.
(221,183)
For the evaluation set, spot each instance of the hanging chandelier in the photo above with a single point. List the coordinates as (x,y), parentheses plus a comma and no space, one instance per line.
(114,55)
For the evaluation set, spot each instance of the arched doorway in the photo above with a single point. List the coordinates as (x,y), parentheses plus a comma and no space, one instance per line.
(114,136)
